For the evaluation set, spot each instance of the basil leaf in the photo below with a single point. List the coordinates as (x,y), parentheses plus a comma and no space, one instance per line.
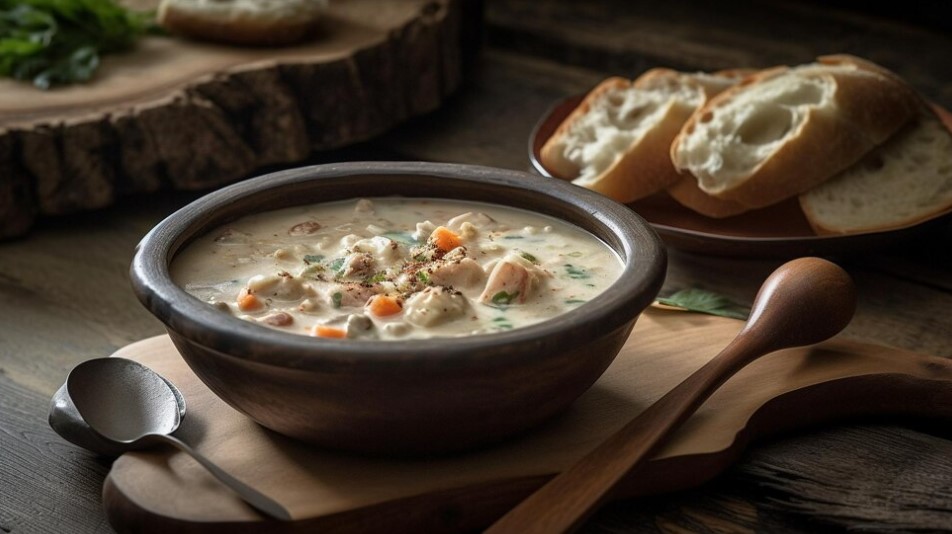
(703,301)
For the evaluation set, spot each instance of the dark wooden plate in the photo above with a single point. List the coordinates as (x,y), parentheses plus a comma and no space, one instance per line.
(780,231)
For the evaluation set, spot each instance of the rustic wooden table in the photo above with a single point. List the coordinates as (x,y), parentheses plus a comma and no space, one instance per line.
(65,294)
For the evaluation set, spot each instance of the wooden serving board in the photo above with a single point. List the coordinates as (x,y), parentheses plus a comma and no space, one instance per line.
(175,113)
(166,491)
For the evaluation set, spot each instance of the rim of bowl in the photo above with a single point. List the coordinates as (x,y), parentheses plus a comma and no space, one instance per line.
(636,243)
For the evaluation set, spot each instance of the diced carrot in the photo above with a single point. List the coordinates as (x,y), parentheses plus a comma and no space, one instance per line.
(445,239)
(329,331)
(383,305)
(248,302)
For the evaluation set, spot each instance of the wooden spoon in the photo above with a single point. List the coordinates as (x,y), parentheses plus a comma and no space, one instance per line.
(805,301)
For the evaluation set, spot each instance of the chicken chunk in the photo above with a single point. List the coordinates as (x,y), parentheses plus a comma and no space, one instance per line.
(512,281)
(435,305)
(460,274)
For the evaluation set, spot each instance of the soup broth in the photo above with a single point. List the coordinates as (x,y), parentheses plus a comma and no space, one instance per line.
(396,268)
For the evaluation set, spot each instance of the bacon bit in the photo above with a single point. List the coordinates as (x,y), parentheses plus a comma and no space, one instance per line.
(445,239)
(384,305)
(248,302)
(329,331)
(304,228)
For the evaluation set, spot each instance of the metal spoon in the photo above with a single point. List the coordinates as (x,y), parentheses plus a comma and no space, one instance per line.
(113,405)
(803,302)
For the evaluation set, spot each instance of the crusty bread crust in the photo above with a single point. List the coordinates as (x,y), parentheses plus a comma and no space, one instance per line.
(868,108)
(643,167)
(687,193)
(552,154)
(903,182)
(236,25)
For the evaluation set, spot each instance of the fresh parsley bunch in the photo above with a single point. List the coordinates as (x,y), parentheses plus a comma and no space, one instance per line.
(53,42)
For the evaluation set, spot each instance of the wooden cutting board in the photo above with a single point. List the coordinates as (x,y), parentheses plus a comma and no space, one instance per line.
(166,491)
(175,113)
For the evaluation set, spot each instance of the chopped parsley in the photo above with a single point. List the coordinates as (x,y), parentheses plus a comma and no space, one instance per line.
(336,265)
(503,297)
(313,258)
(576,273)
(336,298)
(423,277)
(529,257)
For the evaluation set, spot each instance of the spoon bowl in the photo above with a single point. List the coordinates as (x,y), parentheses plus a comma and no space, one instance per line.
(71,424)
(114,405)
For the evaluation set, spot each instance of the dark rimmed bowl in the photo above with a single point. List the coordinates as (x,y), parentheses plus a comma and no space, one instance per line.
(402,397)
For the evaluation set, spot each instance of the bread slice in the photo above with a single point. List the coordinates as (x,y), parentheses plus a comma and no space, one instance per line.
(785,130)
(616,142)
(687,193)
(246,22)
(903,182)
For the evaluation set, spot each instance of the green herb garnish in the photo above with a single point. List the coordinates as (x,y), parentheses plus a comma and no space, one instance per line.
(336,298)
(503,297)
(502,323)
(57,42)
(703,301)
(529,257)
(313,258)
(576,273)
(423,277)
(401,237)
(377,277)
(574,301)
(336,265)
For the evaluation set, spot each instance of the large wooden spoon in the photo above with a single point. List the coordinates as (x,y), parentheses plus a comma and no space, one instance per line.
(805,301)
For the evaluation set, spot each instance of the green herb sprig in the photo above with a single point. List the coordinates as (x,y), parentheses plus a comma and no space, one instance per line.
(58,42)
(703,301)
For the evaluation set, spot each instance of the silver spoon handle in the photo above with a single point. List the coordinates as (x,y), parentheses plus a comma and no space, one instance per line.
(252,496)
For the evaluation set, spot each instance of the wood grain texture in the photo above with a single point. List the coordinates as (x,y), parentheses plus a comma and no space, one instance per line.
(175,113)
(798,386)
(904,300)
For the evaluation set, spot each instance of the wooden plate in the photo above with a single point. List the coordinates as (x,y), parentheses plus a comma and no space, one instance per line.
(780,231)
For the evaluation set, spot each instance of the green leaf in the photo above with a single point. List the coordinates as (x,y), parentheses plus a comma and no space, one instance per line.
(336,265)
(57,42)
(529,257)
(503,297)
(336,298)
(703,301)
(401,237)
(313,258)
(576,273)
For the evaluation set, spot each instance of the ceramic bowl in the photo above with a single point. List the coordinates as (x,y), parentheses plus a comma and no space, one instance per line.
(407,397)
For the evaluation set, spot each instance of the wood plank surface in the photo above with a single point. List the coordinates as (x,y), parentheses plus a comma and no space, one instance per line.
(779,392)
(65,295)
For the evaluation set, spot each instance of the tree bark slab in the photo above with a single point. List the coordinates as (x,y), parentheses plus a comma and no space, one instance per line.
(181,114)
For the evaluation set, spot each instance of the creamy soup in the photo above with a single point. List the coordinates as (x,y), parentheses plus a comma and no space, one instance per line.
(393,268)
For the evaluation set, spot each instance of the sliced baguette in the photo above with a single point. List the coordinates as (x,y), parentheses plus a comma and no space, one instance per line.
(785,130)
(246,22)
(687,193)
(903,182)
(616,141)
